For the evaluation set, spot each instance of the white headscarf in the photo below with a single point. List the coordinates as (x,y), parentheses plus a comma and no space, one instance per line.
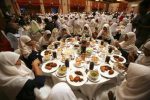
(24,49)
(108,35)
(62,91)
(137,84)
(88,31)
(129,45)
(128,28)
(113,27)
(34,26)
(147,45)
(142,59)
(42,40)
(54,35)
(13,77)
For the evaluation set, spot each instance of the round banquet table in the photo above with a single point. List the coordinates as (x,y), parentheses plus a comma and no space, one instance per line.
(67,49)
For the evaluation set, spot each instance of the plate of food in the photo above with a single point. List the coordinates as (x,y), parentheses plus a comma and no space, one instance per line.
(93,75)
(78,62)
(119,67)
(118,58)
(107,71)
(61,72)
(50,66)
(95,59)
(76,77)
(46,52)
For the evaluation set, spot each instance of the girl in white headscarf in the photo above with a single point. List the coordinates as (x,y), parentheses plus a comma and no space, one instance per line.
(127,46)
(64,33)
(35,30)
(86,32)
(28,49)
(144,59)
(19,82)
(44,41)
(54,35)
(113,28)
(105,33)
(92,25)
(136,86)
(129,42)
(128,28)
(76,26)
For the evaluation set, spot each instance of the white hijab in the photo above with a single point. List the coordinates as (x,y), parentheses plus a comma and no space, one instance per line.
(128,28)
(142,59)
(24,49)
(34,27)
(129,45)
(137,84)
(13,77)
(62,91)
(54,35)
(108,35)
(88,31)
(113,27)
(42,40)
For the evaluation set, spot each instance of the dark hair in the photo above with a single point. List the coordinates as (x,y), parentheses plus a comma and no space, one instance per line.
(143,7)
(39,20)
(10,29)
(55,17)
(46,20)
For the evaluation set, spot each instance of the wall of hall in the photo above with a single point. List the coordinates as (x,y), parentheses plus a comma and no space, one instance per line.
(65,6)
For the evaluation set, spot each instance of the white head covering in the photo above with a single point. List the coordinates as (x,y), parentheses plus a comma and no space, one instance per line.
(137,84)
(34,26)
(147,45)
(24,49)
(128,28)
(48,32)
(108,35)
(129,45)
(113,27)
(54,35)
(62,91)
(66,27)
(88,31)
(13,77)
(142,59)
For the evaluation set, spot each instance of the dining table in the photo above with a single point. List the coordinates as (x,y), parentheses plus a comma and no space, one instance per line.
(73,60)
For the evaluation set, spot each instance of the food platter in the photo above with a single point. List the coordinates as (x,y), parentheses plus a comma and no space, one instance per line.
(76,77)
(118,58)
(62,71)
(94,76)
(107,71)
(46,52)
(50,66)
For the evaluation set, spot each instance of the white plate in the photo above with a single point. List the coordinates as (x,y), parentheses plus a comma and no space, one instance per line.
(53,69)
(60,76)
(73,63)
(73,74)
(106,74)
(97,80)
(98,62)
(42,53)
(112,58)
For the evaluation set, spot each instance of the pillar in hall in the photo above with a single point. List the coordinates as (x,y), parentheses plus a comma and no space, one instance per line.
(42,8)
(88,6)
(64,6)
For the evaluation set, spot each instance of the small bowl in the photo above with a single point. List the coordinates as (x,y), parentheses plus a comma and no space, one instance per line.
(93,74)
